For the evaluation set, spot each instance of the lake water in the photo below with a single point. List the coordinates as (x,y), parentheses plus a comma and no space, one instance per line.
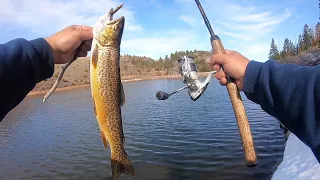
(172,139)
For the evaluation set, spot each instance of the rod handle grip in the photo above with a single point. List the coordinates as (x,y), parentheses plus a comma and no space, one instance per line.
(239,110)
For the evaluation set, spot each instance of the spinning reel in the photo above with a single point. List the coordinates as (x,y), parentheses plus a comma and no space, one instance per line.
(189,73)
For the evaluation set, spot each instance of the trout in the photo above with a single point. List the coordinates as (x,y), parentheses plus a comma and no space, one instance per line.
(107,90)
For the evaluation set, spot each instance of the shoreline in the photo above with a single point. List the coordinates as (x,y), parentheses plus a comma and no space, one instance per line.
(176,76)
(37,92)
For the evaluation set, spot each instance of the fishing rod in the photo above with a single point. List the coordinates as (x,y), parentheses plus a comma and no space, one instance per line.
(235,97)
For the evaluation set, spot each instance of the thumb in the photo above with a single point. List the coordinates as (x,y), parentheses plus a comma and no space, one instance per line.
(84,32)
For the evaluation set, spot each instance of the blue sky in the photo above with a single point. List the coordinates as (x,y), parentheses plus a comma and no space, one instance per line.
(156,28)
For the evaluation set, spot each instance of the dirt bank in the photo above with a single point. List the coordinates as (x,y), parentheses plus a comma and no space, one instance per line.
(45,87)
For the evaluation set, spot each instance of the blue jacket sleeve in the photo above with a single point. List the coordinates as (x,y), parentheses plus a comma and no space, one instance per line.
(291,93)
(22,65)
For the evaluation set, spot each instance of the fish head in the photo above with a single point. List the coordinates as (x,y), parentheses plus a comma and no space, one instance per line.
(108,31)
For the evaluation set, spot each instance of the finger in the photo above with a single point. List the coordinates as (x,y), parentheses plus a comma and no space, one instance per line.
(228,51)
(216,67)
(218,59)
(81,27)
(87,43)
(223,81)
(83,32)
(84,48)
(82,53)
(220,75)
(84,28)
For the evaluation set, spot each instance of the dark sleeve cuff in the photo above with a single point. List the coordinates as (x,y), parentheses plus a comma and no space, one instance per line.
(43,65)
(251,76)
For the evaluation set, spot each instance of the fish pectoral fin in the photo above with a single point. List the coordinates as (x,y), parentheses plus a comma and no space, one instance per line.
(123,96)
(94,54)
(94,107)
(104,139)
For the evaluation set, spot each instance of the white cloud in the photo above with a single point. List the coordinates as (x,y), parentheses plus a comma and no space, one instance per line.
(257,49)
(251,23)
(255,17)
(188,19)
(241,24)
(153,47)
(156,46)
(49,16)
(239,36)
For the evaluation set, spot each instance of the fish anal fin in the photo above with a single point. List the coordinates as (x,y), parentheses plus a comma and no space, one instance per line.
(104,139)
(123,96)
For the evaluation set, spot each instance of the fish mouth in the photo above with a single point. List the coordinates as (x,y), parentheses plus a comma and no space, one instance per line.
(115,20)
(112,12)
(108,18)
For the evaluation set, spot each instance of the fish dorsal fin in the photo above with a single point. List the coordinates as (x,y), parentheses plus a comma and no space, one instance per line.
(122,95)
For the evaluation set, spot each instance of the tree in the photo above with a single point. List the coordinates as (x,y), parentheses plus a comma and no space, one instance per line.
(174,57)
(300,45)
(307,37)
(167,64)
(312,36)
(160,63)
(317,33)
(274,52)
(286,48)
(292,49)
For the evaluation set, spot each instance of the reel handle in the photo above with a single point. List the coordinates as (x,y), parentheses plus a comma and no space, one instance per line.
(239,110)
(162,95)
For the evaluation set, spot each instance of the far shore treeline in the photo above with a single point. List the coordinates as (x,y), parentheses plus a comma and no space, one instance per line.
(308,41)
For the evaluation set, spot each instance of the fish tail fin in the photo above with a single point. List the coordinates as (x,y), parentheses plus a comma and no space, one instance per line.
(121,164)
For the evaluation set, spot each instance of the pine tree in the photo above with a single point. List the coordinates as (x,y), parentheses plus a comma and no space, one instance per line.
(297,48)
(292,49)
(312,36)
(307,38)
(286,49)
(167,64)
(300,45)
(274,52)
(317,34)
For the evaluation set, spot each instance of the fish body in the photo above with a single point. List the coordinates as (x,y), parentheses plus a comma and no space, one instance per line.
(107,90)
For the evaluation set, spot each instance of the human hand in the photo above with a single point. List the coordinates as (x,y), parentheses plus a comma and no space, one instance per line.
(234,64)
(72,41)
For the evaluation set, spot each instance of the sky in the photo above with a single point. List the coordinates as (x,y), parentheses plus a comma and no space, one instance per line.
(155,28)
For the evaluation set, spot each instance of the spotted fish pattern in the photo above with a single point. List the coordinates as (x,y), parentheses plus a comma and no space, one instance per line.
(107,90)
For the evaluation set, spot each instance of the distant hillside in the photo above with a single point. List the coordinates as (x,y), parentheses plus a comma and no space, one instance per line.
(311,57)
(132,67)
(305,52)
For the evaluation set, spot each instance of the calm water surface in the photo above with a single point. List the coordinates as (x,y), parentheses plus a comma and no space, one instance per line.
(172,139)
